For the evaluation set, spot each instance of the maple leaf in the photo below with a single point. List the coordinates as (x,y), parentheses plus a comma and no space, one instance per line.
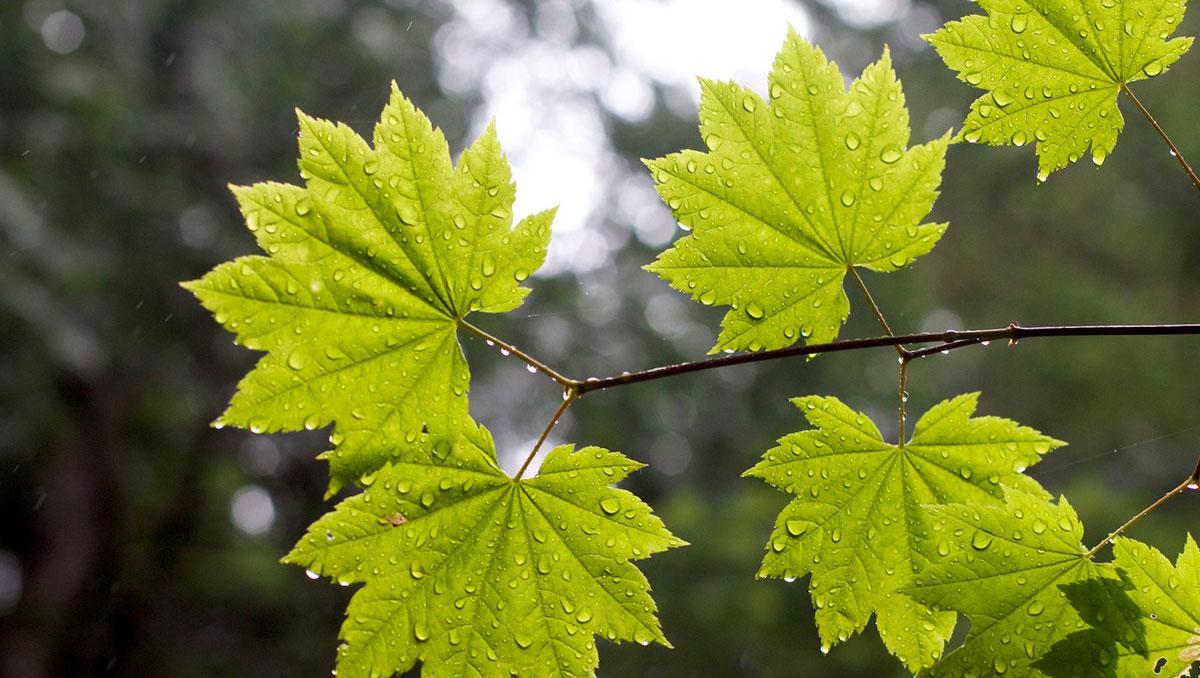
(791,195)
(1053,70)
(1002,567)
(474,573)
(854,521)
(1147,624)
(371,266)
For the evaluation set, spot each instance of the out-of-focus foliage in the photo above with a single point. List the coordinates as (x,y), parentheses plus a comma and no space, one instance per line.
(139,541)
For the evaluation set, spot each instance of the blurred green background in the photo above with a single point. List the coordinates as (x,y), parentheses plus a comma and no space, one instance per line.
(136,540)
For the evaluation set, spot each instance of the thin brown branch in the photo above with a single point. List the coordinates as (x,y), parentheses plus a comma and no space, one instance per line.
(947,341)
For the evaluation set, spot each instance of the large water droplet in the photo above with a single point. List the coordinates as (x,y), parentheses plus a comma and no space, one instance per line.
(295,360)
(981,540)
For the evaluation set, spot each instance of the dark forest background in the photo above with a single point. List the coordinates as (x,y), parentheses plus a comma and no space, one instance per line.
(136,540)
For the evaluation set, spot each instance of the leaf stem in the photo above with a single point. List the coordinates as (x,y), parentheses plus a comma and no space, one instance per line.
(947,341)
(571,396)
(568,384)
(1192,483)
(1157,128)
(862,285)
(905,355)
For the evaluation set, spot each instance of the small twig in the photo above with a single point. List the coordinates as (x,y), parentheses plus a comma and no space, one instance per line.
(570,396)
(943,348)
(1191,483)
(567,383)
(1162,133)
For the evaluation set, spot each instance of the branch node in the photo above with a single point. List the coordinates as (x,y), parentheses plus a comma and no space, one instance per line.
(1013,328)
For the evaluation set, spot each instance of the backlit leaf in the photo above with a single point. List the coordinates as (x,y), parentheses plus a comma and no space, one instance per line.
(473,573)
(793,193)
(1053,70)
(371,265)
(855,520)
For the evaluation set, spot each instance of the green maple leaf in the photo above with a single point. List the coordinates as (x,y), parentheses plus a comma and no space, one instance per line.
(372,264)
(792,194)
(1002,566)
(1148,624)
(854,521)
(1053,70)
(474,573)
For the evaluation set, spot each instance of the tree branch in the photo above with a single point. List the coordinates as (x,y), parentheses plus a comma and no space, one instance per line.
(947,341)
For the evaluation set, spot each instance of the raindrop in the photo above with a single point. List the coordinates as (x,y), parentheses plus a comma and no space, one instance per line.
(981,540)
(610,505)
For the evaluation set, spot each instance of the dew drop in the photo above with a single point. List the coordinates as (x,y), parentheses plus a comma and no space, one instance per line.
(295,361)
(890,154)
(981,540)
